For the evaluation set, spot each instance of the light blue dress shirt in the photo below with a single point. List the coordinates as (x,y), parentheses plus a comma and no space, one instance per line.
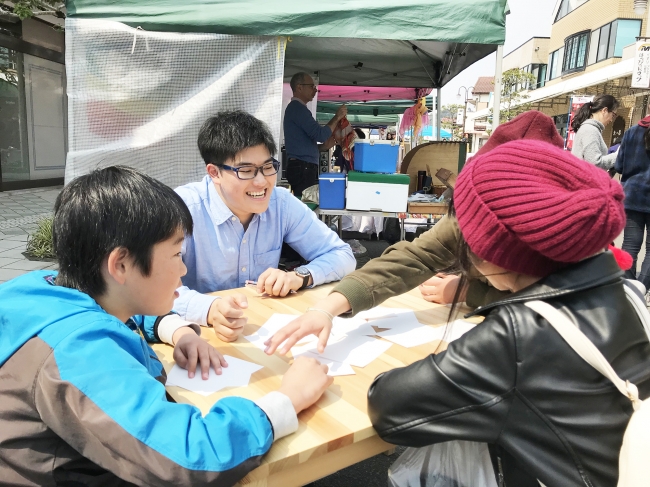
(222,255)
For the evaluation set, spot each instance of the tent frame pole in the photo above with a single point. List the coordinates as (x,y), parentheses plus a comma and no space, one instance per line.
(498,82)
(438,113)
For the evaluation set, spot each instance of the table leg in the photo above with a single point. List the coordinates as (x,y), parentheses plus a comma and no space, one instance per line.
(402,232)
(340,226)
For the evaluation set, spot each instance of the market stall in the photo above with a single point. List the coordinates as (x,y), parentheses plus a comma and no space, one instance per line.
(237,54)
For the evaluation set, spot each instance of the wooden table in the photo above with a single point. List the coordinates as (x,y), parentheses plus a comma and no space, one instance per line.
(335,432)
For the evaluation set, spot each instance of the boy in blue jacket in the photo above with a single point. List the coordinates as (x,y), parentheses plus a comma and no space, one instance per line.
(82,396)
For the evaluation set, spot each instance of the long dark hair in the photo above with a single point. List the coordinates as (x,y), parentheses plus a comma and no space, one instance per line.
(588,109)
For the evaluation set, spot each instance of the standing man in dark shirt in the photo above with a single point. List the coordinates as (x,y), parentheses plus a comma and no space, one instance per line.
(302,134)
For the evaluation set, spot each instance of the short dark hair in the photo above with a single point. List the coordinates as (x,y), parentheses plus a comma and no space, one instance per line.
(227,133)
(110,208)
(296,79)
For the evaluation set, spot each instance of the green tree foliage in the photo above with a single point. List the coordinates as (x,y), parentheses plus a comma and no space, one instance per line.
(448,120)
(514,93)
(24,9)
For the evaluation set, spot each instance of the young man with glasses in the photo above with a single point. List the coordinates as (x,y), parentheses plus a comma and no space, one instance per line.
(240,222)
(302,134)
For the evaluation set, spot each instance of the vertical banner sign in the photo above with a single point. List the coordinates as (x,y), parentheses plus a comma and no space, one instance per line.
(574,105)
(641,72)
(459,117)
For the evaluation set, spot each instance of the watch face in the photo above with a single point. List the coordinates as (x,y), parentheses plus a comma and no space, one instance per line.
(301,271)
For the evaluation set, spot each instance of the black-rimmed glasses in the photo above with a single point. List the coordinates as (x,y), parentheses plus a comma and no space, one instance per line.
(250,172)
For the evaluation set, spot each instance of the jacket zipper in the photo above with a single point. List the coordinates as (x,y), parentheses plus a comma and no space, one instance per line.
(501,479)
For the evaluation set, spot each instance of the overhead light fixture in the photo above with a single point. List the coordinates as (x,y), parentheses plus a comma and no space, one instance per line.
(640,6)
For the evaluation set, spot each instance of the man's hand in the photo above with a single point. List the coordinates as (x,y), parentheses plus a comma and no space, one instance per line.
(341,112)
(226,316)
(276,282)
(441,289)
(190,350)
(305,382)
(311,323)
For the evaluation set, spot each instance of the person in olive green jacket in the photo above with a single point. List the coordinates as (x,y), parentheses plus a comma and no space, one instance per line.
(406,265)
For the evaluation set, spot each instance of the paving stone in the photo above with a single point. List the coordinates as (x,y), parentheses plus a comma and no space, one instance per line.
(27,265)
(6,274)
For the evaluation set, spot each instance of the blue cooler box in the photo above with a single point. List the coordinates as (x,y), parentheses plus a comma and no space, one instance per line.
(331,188)
(375,155)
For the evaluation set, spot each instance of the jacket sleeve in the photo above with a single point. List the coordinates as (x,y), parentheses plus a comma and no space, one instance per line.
(94,392)
(619,165)
(402,267)
(591,151)
(463,393)
(330,258)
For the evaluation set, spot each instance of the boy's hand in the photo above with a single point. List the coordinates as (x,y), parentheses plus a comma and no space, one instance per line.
(226,316)
(305,382)
(440,289)
(276,282)
(190,350)
(311,323)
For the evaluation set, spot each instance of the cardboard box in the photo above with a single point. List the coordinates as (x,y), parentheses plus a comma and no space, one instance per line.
(426,208)
(377,192)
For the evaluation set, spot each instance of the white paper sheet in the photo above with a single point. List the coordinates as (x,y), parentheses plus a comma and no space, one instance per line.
(413,336)
(357,350)
(402,321)
(237,374)
(335,368)
(379,312)
(351,326)
(459,328)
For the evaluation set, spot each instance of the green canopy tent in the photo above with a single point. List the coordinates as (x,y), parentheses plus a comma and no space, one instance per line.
(417,43)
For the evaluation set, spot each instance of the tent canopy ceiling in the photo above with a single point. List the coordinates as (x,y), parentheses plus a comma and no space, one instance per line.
(332,38)
(346,94)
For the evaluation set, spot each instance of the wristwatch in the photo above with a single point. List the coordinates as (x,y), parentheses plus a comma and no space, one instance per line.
(303,272)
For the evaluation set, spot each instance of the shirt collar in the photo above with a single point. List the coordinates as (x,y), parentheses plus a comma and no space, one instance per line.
(220,211)
(294,98)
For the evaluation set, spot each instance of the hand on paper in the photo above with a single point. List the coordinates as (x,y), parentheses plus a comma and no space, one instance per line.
(191,350)
(226,316)
(305,382)
(441,289)
(311,323)
(276,282)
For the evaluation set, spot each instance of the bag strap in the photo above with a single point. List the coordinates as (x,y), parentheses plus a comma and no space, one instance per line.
(585,348)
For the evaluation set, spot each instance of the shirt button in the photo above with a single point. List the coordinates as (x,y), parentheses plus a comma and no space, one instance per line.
(243,269)
(233,218)
(243,241)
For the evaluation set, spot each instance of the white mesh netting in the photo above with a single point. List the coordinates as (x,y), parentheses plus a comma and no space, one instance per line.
(138,98)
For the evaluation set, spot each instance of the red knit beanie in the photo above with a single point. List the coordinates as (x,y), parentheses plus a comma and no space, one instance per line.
(528,125)
(530,207)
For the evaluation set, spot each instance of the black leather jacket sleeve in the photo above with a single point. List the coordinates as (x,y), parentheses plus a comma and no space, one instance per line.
(462,393)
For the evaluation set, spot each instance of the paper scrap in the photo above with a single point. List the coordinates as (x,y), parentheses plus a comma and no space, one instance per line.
(237,374)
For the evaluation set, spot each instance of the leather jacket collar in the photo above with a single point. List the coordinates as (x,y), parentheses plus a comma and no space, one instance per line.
(589,273)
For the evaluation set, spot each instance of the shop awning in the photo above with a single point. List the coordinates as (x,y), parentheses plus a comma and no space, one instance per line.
(612,74)
(411,43)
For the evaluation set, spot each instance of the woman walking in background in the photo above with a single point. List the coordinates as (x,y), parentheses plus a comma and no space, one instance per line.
(588,124)
(633,163)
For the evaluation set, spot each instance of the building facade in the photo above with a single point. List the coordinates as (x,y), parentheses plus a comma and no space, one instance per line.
(588,53)
(33,103)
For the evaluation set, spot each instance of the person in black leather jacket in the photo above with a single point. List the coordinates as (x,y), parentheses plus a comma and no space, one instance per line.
(536,221)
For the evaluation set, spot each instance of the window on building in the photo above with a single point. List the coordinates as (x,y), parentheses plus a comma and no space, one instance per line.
(609,40)
(575,52)
(555,63)
(539,72)
(567,7)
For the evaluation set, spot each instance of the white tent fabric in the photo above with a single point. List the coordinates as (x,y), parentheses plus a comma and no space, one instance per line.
(139,98)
